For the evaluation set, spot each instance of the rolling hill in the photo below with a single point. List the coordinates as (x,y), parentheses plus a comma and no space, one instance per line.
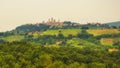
(114,23)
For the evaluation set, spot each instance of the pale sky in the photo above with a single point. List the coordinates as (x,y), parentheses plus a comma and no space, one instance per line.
(17,12)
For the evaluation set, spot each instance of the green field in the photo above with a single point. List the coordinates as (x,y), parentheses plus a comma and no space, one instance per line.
(12,38)
(79,42)
(65,32)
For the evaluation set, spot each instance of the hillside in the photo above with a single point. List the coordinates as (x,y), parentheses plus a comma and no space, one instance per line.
(114,23)
(44,26)
(46,46)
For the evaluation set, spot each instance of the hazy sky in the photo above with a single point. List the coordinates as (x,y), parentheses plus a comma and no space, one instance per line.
(17,12)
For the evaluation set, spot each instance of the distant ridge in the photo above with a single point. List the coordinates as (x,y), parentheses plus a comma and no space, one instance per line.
(50,24)
(114,23)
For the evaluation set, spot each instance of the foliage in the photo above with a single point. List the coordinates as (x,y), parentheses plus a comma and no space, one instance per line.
(59,48)
(12,38)
(31,27)
(26,55)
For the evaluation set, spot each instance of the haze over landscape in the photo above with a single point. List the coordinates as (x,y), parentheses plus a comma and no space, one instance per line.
(59,34)
(17,12)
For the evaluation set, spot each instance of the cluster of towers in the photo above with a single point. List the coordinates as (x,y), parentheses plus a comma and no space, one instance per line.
(56,23)
(53,22)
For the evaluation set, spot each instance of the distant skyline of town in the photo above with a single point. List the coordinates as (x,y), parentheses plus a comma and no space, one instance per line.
(54,21)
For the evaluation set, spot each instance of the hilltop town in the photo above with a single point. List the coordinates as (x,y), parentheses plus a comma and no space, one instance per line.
(57,23)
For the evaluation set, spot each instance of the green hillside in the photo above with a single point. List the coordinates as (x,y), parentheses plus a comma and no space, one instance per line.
(65,32)
(12,38)
(79,42)
(60,48)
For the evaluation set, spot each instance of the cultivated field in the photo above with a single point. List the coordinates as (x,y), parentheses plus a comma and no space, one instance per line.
(97,32)
(109,41)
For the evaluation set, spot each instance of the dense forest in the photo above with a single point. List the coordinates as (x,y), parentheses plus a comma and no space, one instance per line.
(26,55)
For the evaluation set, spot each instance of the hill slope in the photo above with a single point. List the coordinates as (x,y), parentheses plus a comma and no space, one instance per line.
(114,23)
